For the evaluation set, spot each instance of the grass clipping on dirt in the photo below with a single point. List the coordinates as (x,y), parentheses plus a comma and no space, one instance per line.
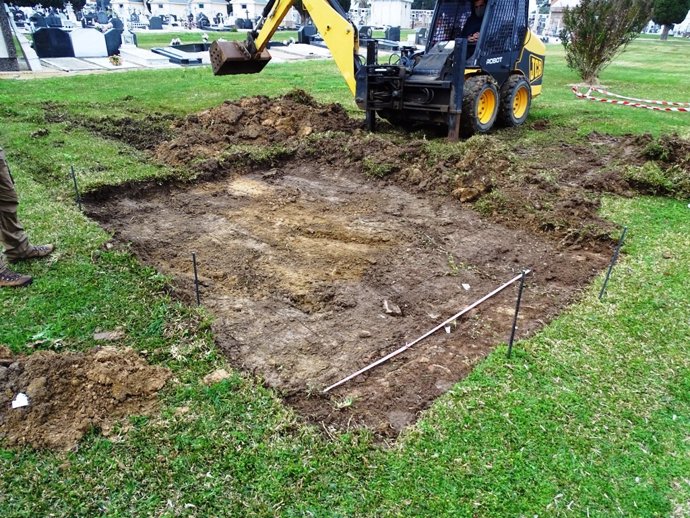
(71,393)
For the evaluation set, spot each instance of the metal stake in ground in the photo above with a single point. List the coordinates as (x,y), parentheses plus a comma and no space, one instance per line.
(429,333)
(76,187)
(613,262)
(196,279)
(517,310)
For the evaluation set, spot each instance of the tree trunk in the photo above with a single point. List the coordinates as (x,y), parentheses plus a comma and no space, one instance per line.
(664,32)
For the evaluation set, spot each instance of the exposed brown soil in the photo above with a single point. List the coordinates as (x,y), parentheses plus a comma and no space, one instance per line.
(322,248)
(71,393)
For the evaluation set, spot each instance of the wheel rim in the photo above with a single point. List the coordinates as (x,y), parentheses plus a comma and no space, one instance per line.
(520,102)
(486,106)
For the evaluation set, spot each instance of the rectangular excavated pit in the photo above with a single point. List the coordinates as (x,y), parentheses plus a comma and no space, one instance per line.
(296,265)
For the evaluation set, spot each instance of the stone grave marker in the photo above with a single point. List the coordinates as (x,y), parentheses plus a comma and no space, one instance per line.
(53,20)
(392,33)
(88,43)
(102,18)
(113,40)
(155,23)
(117,24)
(304,34)
(129,38)
(38,20)
(51,42)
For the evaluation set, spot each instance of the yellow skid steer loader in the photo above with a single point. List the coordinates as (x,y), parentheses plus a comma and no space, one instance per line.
(467,82)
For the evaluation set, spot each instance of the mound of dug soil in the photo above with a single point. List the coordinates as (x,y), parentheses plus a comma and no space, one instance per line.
(71,393)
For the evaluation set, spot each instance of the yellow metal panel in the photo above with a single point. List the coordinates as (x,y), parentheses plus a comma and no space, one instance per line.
(339,35)
(534,45)
(280,9)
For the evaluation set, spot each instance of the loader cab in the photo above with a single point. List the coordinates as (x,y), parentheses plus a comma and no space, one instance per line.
(502,33)
(448,23)
(466,88)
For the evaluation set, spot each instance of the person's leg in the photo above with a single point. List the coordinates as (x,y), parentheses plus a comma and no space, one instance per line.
(12,233)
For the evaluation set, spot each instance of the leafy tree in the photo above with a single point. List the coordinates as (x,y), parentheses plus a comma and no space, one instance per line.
(669,12)
(596,31)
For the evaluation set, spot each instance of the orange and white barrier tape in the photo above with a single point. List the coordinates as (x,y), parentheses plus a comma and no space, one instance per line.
(630,101)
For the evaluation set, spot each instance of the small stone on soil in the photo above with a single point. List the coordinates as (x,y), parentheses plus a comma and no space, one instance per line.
(216,377)
(109,336)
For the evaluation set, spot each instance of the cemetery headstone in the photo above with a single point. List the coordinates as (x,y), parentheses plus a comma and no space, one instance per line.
(420,36)
(88,43)
(155,23)
(202,21)
(392,33)
(305,33)
(366,32)
(117,24)
(129,38)
(102,18)
(113,40)
(53,20)
(38,20)
(51,42)
(244,23)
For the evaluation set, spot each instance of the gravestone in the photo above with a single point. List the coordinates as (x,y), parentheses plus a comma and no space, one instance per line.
(88,43)
(420,36)
(366,32)
(392,33)
(38,20)
(113,40)
(102,18)
(304,34)
(155,23)
(18,15)
(51,42)
(129,38)
(244,23)
(53,20)
(202,21)
(117,24)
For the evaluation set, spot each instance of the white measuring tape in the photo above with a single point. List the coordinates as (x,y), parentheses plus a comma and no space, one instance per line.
(631,101)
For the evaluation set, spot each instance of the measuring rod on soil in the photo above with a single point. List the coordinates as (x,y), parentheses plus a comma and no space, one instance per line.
(429,333)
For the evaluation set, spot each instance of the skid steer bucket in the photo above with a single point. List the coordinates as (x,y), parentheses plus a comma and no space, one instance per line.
(232,57)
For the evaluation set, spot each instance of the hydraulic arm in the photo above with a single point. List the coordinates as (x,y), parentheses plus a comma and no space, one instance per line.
(232,57)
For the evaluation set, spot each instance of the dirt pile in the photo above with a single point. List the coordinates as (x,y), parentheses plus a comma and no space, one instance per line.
(71,393)
(253,121)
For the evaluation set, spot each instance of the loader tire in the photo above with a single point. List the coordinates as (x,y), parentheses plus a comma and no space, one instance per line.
(479,105)
(516,99)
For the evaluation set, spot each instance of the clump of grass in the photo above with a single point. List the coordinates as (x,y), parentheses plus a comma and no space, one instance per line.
(248,155)
(655,150)
(493,202)
(654,179)
(376,169)
(300,96)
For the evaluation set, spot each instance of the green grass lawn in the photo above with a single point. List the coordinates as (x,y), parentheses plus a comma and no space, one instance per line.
(590,418)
